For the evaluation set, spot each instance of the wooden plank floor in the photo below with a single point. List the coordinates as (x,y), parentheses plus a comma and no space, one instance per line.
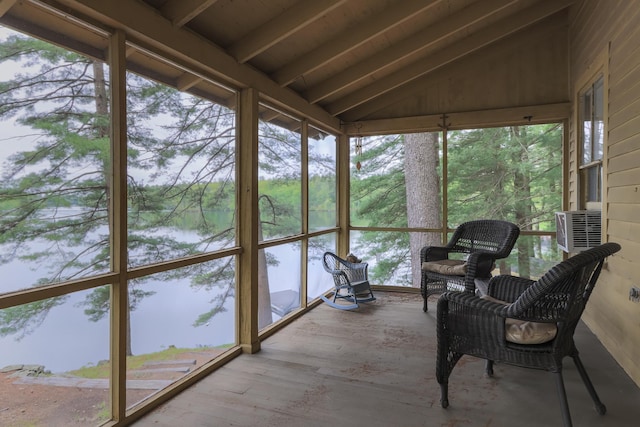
(376,367)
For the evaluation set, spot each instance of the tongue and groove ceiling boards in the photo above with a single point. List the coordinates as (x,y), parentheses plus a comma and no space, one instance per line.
(341,61)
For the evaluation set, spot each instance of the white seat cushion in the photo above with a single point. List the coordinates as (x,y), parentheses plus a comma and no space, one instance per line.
(526,332)
(450,267)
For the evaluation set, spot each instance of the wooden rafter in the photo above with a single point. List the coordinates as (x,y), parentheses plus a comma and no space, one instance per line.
(285,24)
(5,5)
(152,31)
(349,40)
(179,12)
(187,81)
(470,44)
(412,46)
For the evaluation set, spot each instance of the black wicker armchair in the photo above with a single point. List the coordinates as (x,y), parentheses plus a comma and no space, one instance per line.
(522,322)
(480,241)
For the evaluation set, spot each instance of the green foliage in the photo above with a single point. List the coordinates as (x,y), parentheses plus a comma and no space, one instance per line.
(54,193)
(511,173)
(378,196)
(322,193)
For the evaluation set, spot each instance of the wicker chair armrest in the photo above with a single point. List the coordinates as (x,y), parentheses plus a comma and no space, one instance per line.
(434,253)
(340,276)
(472,302)
(481,308)
(511,289)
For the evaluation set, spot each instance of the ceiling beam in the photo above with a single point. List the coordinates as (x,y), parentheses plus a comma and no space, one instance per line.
(466,46)
(152,31)
(282,26)
(351,39)
(517,115)
(411,46)
(179,12)
(186,81)
(5,5)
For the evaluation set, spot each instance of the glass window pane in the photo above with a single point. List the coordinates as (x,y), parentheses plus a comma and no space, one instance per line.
(511,173)
(398,181)
(393,257)
(54,164)
(279,288)
(598,119)
(279,170)
(55,361)
(181,173)
(586,118)
(386,253)
(531,257)
(318,280)
(322,180)
(180,319)
(592,183)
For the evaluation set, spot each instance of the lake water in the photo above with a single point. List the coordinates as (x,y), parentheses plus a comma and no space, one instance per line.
(66,339)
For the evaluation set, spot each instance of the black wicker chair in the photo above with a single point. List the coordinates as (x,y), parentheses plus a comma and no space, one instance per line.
(350,279)
(484,326)
(480,241)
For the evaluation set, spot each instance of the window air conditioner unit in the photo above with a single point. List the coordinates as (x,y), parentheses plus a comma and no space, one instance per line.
(578,230)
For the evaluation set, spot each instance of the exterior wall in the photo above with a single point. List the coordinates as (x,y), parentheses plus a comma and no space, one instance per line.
(604,35)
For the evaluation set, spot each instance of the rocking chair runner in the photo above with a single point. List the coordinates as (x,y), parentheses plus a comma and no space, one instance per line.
(350,280)
(482,241)
(522,322)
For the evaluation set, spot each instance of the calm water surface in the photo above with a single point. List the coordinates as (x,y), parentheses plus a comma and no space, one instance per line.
(66,339)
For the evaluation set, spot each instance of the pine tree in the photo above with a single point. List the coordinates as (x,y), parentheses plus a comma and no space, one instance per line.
(54,195)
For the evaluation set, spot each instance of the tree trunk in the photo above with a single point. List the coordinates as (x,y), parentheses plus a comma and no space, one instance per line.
(422,184)
(265,317)
(102,101)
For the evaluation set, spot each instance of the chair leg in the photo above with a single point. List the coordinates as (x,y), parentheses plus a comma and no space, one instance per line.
(564,404)
(587,382)
(489,368)
(424,307)
(444,395)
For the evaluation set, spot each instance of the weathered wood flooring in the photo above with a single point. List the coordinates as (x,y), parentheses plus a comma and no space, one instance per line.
(376,367)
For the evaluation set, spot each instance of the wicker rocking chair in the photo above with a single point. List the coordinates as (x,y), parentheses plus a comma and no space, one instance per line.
(522,322)
(350,280)
(480,241)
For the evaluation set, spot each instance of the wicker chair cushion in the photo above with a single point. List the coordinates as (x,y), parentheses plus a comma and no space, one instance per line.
(525,332)
(450,267)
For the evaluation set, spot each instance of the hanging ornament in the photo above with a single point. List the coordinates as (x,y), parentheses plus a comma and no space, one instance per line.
(358,151)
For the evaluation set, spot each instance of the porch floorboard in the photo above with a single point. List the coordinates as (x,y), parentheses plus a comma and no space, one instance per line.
(375,366)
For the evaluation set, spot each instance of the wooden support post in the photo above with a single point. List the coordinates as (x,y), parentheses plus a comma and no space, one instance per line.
(445,178)
(248,217)
(304,258)
(118,218)
(343,194)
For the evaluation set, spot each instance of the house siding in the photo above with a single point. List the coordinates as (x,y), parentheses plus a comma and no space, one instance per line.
(604,36)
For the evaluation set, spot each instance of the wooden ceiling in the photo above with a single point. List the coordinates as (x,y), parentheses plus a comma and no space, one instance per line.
(341,54)
(340,60)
